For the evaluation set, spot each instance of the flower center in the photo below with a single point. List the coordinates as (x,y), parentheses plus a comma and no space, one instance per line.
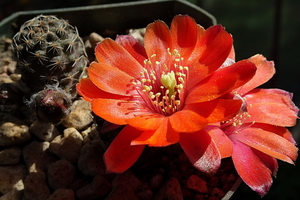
(169,81)
(162,83)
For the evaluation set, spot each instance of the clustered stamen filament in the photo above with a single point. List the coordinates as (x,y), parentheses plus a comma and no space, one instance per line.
(237,123)
(161,85)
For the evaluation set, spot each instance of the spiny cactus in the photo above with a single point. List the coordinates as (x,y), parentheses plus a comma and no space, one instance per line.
(51,104)
(51,57)
(49,51)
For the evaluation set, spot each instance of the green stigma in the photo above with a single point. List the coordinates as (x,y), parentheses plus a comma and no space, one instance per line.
(169,81)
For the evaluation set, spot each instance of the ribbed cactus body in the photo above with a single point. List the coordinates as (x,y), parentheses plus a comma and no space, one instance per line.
(49,51)
(52,58)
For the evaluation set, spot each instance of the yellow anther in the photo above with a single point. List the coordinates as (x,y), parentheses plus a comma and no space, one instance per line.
(153,76)
(180,79)
(147,88)
(151,94)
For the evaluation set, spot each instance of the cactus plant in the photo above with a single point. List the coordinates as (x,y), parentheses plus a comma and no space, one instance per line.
(51,58)
(49,51)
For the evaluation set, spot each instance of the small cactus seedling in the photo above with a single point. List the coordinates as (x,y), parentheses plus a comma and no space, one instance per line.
(52,58)
(49,51)
(51,104)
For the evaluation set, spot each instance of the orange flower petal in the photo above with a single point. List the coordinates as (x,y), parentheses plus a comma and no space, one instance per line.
(272,106)
(157,40)
(197,72)
(222,81)
(117,111)
(268,161)
(201,151)
(146,122)
(165,135)
(184,34)
(221,140)
(114,55)
(265,71)
(89,91)
(268,143)
(207,39)
(133,47)
(281,131)
(216,110)
(251,169)
(244,69)
(121,155)
(187,121)
(110,79)
(232,53)
(211,88)
(213,47)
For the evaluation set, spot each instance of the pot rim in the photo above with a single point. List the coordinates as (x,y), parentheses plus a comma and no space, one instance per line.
(115,10)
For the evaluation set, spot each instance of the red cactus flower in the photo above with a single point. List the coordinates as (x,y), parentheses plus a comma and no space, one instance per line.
(257,136)
(166,91)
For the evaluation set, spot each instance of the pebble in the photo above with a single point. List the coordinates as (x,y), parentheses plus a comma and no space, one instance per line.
(44,131)
(80,116)
(156,181)
(95,38)
(35,186)
(10,155)
(61,174)
(138,34)
(196,183)
(127,179)
(121,191)
(13,134)
(14,194)
(67,146)
(62,194)
(218,192)
(145,192)
(90,160)
(12,178)
(37,156)
(125,185)
(98,188)
(171,190)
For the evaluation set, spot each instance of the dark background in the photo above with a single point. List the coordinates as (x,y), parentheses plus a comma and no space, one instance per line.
(268,27)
